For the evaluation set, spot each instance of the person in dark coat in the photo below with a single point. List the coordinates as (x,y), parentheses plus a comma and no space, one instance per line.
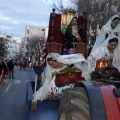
(72,35)
(11,69)
(21,65)
(1,67)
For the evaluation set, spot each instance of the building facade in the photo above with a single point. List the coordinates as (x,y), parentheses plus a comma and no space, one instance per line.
(13,47)
(32,34)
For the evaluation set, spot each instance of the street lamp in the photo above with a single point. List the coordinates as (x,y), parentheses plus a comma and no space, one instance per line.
(40,41)
(40,51)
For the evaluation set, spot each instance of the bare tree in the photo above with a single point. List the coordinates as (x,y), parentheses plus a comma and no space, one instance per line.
(61,5)
(34,47)
(98,12)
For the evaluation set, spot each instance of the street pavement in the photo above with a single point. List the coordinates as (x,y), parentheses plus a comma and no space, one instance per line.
(13,95)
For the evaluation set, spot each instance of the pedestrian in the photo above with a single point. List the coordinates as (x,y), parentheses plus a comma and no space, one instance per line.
(11,69)
(1,68)
(4,68)
(21,65)
(24,65)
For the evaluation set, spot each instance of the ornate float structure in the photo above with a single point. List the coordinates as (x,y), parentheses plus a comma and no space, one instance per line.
(98,99)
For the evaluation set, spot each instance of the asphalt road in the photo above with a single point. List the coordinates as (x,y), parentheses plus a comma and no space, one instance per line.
(13,95)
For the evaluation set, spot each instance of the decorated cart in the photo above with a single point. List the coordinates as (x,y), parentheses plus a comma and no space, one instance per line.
(57,26)
(98,99)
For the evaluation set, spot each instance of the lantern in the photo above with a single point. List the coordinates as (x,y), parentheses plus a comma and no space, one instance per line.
(100,66)
(101,63)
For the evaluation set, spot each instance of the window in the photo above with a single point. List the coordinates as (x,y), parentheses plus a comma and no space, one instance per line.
(27,31)
(27,38)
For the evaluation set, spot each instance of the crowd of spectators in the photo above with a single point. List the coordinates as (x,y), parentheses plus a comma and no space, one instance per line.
(7,68)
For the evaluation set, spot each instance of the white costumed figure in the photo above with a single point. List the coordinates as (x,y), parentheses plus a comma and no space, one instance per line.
(55,64)
(109,51)
(112,27)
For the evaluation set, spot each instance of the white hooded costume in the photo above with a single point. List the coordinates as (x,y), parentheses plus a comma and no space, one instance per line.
(102,51)
(107,29)
(49,88)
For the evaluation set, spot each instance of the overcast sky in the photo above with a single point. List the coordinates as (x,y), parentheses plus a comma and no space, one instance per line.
(16,14)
